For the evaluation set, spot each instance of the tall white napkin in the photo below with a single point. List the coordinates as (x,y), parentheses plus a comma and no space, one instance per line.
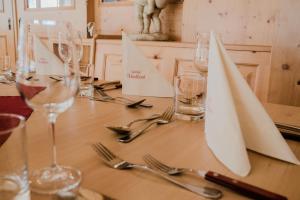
(235,119)
(140,77)
(48,63)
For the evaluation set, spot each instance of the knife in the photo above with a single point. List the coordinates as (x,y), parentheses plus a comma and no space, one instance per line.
(289,131)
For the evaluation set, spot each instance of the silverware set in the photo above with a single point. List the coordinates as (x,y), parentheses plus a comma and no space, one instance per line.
(166,172)
(116,162)
(128,134)
(104,97)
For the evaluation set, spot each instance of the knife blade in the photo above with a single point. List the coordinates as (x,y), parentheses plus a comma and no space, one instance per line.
(290,132)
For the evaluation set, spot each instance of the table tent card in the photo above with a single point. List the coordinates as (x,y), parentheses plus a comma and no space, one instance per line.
(235,119)
(48,62)
(140,77)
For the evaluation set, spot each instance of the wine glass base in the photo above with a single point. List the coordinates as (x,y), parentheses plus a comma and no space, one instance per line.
(51,180)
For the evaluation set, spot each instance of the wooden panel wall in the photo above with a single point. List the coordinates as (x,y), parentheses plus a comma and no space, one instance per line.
(3,45)
(262,22)
(285,77)
(238,21)
(265,22)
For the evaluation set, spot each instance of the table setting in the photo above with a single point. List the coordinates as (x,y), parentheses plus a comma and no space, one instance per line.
(182,140)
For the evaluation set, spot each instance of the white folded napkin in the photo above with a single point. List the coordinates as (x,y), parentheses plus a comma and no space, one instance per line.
(235,119)
(140,77)
(47,62)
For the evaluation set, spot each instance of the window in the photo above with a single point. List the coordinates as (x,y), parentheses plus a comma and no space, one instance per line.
(32,4)
(1,6)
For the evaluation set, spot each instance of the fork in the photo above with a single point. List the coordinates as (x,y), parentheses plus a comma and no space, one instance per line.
(117,163)
(165,118)
(233,184)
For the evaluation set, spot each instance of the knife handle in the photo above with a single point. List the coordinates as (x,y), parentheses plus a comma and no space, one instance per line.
(241,187)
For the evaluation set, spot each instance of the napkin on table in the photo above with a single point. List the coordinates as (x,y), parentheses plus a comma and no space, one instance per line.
(235,119)
(13,105)
(140,77)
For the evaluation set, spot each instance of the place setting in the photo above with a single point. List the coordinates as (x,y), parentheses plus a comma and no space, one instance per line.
(193,103)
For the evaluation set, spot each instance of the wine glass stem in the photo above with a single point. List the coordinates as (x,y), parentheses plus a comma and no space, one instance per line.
(52,120)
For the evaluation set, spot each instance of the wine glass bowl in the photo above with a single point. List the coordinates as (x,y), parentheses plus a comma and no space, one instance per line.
(48,84)
(201,52)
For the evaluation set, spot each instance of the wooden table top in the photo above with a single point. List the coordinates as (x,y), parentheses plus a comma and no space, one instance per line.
(179,143)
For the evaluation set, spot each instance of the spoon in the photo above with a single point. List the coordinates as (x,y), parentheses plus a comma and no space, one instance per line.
(129,137)
(135,104)
(126,128)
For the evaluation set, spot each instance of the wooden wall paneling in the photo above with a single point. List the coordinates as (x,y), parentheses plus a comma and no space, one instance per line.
(239,22)
(3,45)
(172,58)
(286,52)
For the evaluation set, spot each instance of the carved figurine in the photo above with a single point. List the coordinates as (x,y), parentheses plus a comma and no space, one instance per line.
(148,12)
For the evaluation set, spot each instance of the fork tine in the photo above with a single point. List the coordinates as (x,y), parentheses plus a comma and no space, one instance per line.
(165,113)
(169,114)
(153,164)
(101,153)
(149,162)
(106,151)
(157,163)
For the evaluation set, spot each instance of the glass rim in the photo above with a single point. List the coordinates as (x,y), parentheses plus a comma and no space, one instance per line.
(190,74)
(21,123)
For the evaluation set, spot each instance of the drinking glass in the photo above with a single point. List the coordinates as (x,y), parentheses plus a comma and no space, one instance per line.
(13,158)
(87,82)
(49,85)
(5,69)
(190,93)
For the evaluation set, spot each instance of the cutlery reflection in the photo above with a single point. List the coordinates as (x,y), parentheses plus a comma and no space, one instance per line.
(238,186)
(117,163)
(82,194)
(126,128)
(165,118)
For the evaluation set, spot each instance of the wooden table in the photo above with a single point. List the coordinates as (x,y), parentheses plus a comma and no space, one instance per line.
(179,143)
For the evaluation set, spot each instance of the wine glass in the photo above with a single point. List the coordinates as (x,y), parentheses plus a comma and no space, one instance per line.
(47,84)
(78,45)
(201,52)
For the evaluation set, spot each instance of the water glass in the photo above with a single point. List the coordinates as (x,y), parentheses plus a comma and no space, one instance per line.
(190,93)
(87,83)
(5,68)
(13,158)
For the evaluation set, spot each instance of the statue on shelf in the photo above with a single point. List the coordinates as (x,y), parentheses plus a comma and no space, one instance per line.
(148,12)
